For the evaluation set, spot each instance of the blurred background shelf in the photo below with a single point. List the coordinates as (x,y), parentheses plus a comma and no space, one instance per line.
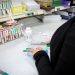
(26,14)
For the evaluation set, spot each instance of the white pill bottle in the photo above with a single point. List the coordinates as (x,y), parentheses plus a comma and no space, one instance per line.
(28,34)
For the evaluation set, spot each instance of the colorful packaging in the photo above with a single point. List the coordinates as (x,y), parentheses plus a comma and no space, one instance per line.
(17,10)
(24,8)
(65,2)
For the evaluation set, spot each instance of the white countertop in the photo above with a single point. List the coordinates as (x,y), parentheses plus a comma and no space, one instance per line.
(14,61)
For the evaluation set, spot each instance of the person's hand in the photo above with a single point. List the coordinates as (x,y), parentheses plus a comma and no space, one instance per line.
(33,51)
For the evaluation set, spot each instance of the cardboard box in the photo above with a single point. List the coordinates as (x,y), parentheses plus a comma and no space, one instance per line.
(44,3)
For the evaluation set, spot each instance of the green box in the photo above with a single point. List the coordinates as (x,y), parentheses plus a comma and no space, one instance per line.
(56,3)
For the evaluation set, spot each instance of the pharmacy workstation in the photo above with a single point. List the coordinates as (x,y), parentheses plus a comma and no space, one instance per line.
(14,58)
(26,25)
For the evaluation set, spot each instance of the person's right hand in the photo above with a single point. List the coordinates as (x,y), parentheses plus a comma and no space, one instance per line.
(33,51)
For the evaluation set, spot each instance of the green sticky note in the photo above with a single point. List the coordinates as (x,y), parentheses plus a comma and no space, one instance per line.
(24,50)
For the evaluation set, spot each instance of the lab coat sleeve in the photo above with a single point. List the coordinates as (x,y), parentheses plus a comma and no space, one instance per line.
(66,60)
(42,63)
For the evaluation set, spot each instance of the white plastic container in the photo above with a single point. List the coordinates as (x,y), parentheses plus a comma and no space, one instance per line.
(28,34)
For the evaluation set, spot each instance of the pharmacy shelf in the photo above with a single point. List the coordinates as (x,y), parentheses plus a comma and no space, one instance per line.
(32,13)
(26,14)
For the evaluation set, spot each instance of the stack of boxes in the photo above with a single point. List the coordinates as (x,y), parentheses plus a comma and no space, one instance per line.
(8,33)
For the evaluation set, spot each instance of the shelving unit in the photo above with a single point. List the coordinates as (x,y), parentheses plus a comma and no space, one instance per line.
(33,13)
(26,14)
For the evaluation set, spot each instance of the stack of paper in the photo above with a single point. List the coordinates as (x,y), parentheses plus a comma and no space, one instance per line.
(41,38)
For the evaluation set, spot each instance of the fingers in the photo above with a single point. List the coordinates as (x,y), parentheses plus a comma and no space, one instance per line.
(33,51)
(39,48)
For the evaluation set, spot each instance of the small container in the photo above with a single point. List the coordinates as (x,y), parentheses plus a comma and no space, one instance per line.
(28,34)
